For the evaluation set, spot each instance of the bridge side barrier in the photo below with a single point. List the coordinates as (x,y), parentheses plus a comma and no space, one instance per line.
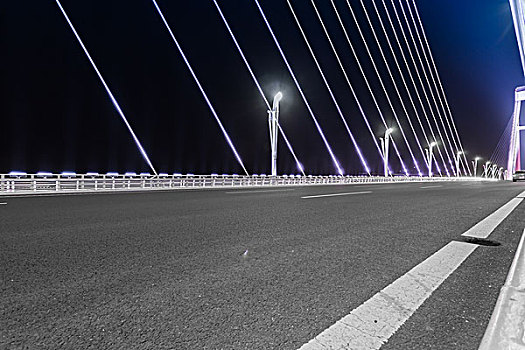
(35,183)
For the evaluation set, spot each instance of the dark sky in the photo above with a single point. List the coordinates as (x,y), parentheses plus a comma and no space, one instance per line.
(55,114)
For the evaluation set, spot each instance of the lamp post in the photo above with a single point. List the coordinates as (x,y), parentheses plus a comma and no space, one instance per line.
(494,169)
(486,169)
(385,143)
(428,152)
(273,120)
(456,159)
(475,163)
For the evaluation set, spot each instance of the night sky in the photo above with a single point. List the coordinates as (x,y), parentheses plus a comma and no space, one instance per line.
(55,114)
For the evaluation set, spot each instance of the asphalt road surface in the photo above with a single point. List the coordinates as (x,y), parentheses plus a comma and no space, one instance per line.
(243,268)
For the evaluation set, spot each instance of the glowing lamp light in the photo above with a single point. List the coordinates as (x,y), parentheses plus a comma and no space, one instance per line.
(112,173)
(130,173)
(163,174)
(44,173)
(190,174)
(17,173)
(214,174)
(278,97)
(177,174)
(145,174)
(68,173)
(92,173)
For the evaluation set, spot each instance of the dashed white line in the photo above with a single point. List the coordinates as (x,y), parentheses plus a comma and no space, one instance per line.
(435,186)
(336,194)
(3,203)
(260,191)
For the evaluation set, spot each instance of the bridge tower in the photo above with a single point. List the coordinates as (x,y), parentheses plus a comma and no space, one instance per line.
(514,161)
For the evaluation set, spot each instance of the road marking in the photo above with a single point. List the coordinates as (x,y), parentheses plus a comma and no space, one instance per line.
(483,228)
(371,324)
(3,203)
(260,191)
(336,194)
(431,186)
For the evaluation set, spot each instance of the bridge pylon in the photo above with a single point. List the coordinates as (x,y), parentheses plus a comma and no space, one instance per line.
(514,160)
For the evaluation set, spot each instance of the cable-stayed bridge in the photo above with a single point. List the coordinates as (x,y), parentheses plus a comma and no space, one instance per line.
(418,248)
(409,100)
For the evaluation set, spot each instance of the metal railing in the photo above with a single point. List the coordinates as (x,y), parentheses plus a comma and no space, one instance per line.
(17,183)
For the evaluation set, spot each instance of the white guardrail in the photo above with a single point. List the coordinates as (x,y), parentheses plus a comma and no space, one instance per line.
(17,182)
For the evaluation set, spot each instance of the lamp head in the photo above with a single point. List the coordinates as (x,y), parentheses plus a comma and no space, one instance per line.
(276,99)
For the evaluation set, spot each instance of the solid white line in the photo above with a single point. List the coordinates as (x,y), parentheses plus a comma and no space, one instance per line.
(431,186)
(483,228)
(370,325)
(3,203)
(336,194)
(260,191)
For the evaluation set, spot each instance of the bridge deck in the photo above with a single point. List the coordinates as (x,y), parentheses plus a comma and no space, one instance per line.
(240,268)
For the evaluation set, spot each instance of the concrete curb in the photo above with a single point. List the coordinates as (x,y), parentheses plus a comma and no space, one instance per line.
(506,329)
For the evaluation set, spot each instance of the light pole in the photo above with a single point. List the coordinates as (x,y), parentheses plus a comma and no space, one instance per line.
(486,169)
(456,159)
(384,147)
(494,168)
(273,120)
(475,163)
(428,152)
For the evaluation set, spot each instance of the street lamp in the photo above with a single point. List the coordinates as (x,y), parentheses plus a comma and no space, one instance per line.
(428,152)
(494,169)
(456,159)
(384,147)
(475,163)
(486,169)
(273,123)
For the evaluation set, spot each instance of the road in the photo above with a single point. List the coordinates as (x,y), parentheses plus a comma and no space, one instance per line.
(266,268)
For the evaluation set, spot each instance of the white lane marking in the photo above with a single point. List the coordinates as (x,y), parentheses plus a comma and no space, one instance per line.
(508,316)
(483,228)
(3,203)
(336,194)
(260,191)
(371,324)
(431,186)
